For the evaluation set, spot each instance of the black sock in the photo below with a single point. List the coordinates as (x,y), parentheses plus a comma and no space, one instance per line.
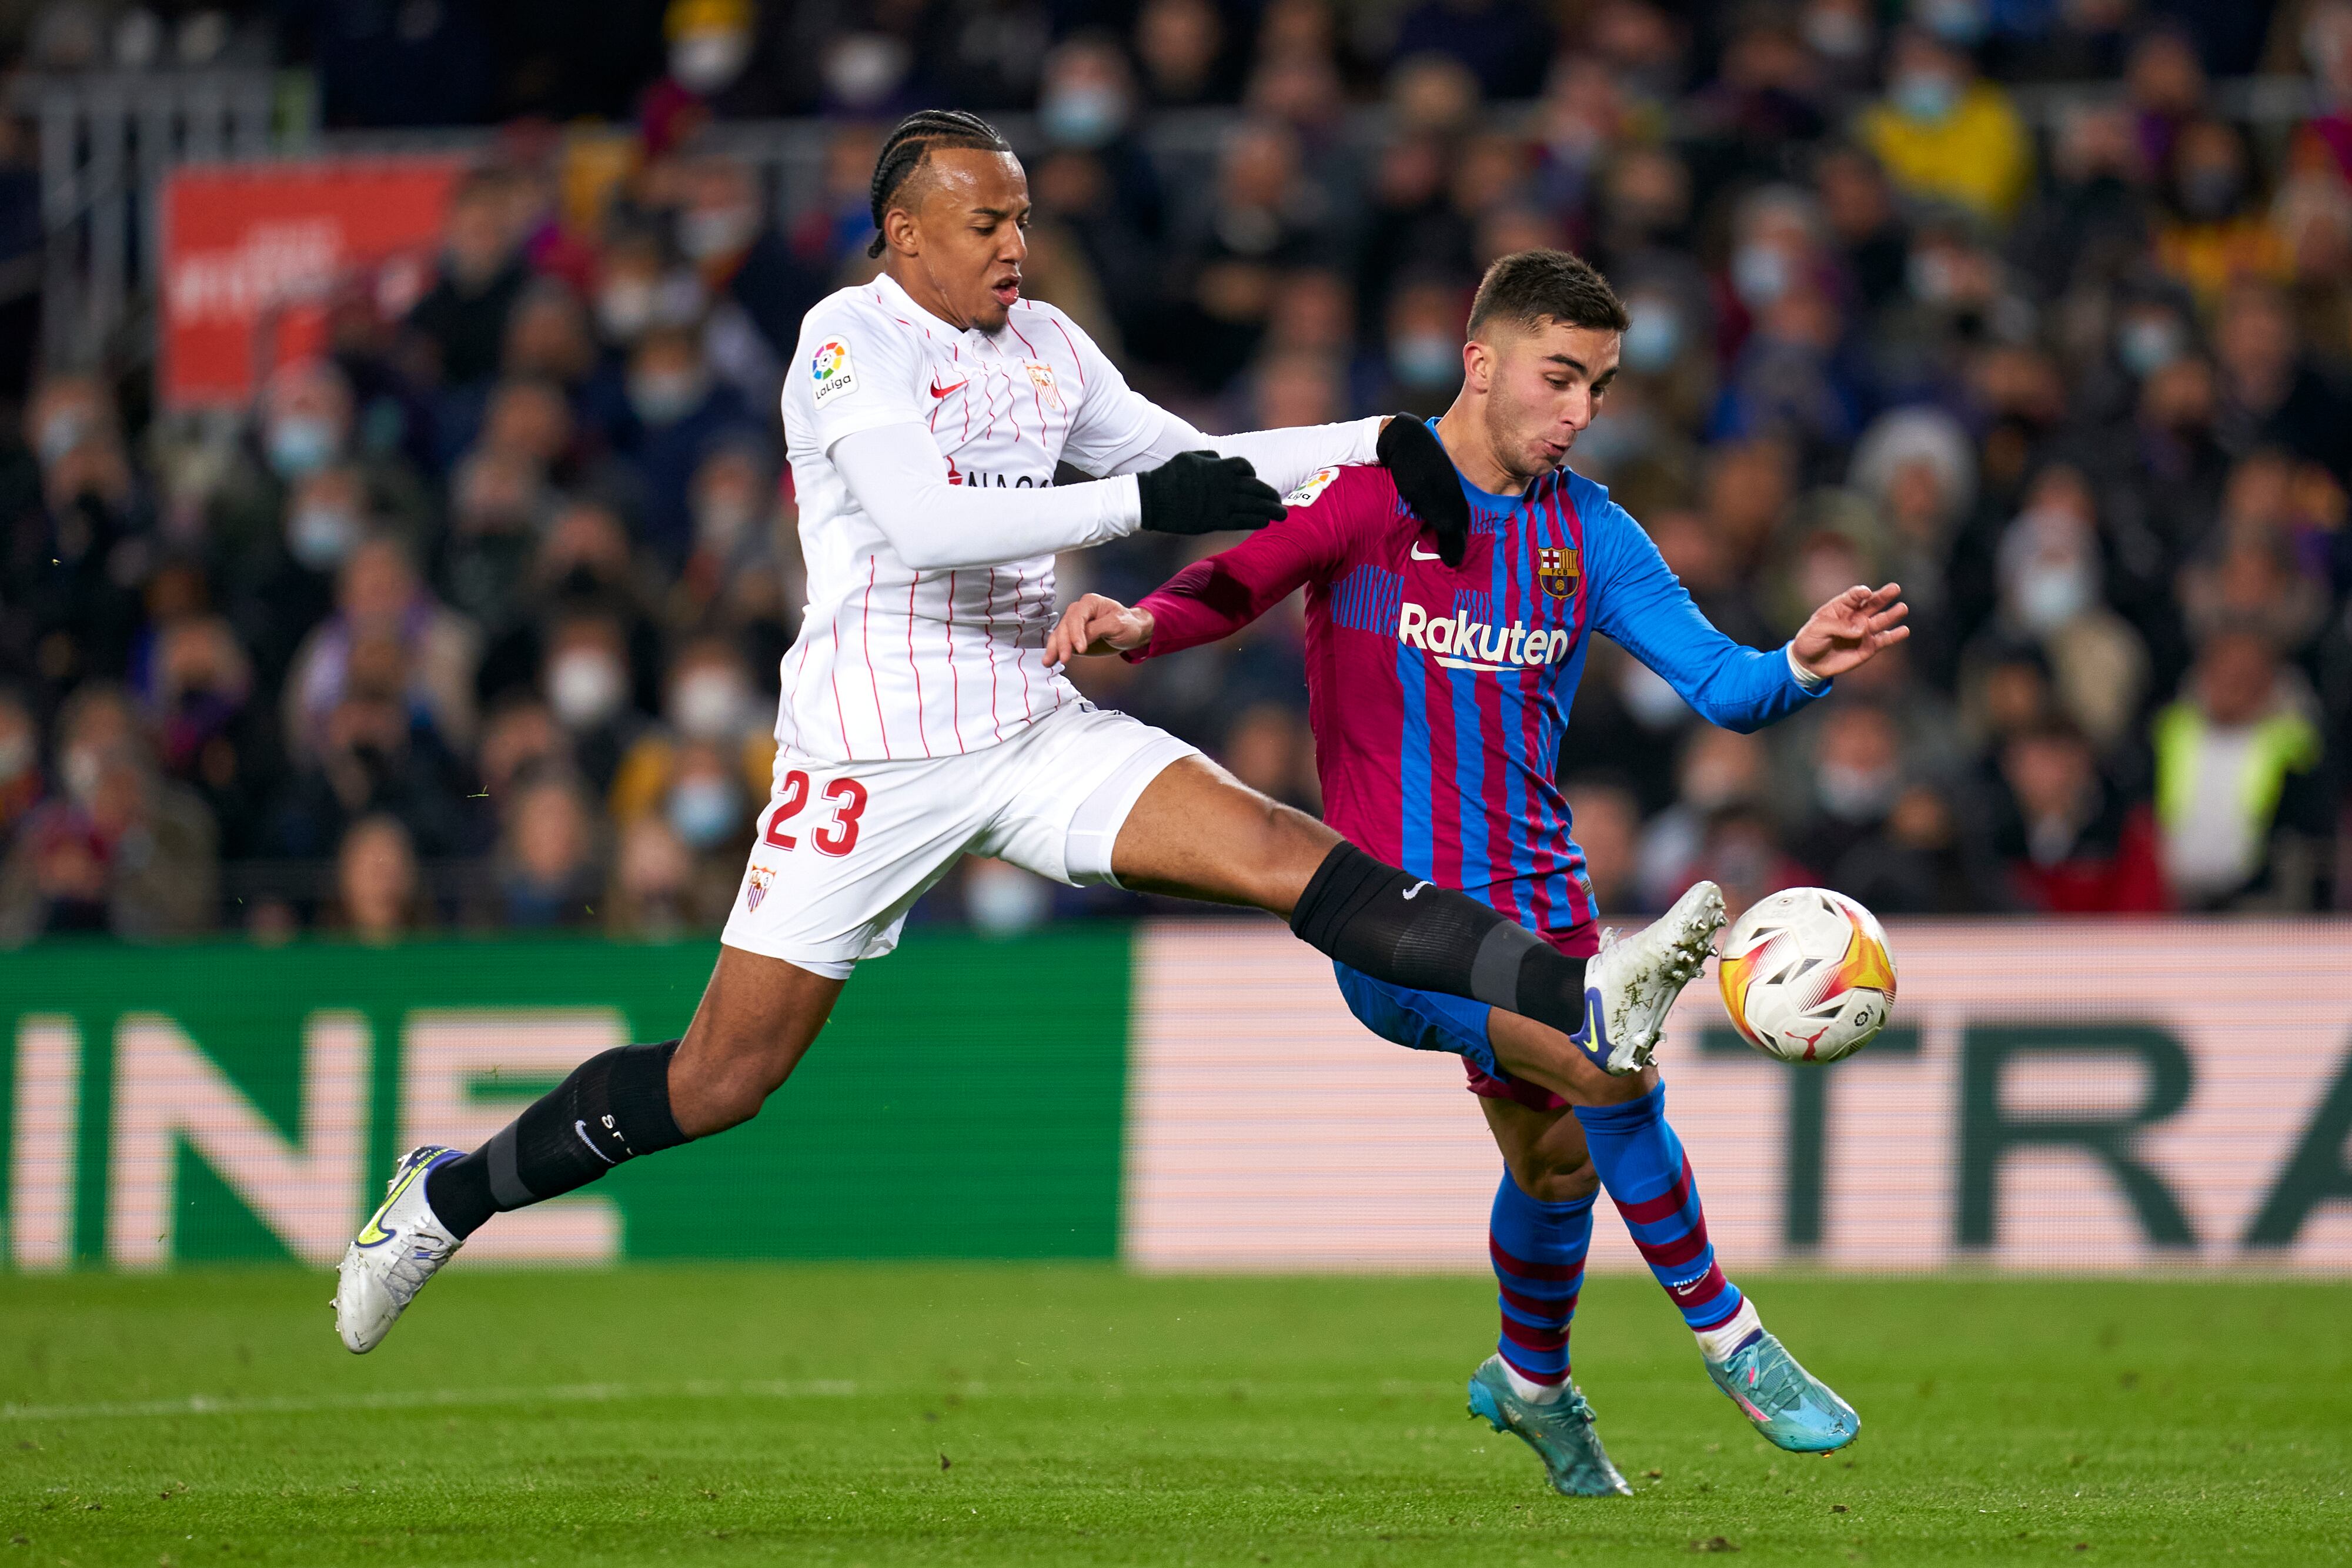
(1396,927)
(614,1107)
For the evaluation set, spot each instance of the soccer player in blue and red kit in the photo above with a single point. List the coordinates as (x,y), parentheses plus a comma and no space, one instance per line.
(1440,671)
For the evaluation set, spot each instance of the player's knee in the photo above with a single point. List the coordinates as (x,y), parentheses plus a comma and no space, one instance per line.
(1555,1180)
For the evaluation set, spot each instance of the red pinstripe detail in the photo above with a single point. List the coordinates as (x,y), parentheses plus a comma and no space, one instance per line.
(793,704)
(832,677)
(988,623)
(1076,358)
(920,733)
(955,681)
(1043,424)
(1018,644)
(866,636)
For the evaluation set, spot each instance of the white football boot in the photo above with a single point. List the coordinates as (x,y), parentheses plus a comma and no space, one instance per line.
(401,1246)
(1632,981)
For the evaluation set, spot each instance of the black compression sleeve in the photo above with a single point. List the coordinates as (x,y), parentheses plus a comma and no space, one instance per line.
(1400,928)
(613,1108)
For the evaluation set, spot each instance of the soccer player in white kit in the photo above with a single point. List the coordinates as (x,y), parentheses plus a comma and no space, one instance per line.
(926,414)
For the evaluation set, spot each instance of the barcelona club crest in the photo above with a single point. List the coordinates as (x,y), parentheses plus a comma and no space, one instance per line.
(1557,569)
(756,887)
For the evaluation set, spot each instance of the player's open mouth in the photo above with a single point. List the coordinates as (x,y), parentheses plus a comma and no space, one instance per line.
(1006,291)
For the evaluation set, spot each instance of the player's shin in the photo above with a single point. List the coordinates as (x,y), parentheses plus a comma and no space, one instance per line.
(1399,928)
(613,1108)
(1641,1164)
(1537,1250)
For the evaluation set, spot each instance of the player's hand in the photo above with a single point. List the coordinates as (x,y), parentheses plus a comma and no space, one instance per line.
(1095,625)
(1851,628)
(1201,493)
(1425,480)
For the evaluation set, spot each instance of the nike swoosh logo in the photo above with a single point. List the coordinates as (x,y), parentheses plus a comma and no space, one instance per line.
(582,1128)
(1417,555)
(1415,891)
(939,390)
(374,1235)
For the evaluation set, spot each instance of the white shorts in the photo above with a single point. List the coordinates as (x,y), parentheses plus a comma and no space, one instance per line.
(846,848)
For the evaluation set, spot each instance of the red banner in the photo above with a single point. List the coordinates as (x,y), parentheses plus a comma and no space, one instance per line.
(252,255)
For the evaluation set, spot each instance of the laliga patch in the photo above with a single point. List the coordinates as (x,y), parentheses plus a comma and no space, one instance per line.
(1314,484)
(830,369)
(1040,376)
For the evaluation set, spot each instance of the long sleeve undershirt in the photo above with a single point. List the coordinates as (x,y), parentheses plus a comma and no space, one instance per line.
(897,473)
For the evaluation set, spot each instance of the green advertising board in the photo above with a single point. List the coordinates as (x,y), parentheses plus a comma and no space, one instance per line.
(225,1101)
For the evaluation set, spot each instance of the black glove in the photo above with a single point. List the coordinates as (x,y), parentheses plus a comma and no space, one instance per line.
(1425,479)
(1201,493)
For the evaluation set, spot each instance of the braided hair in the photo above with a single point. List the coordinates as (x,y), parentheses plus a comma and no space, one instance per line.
(909,147)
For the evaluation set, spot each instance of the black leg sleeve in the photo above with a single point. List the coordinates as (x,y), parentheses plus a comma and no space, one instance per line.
(614,1108)
(1396,927)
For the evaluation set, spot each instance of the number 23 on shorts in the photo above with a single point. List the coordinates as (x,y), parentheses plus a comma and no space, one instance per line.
(836,836)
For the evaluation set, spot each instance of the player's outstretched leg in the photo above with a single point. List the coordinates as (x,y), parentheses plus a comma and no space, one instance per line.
(1537,1250)
(1630,983)
(1197,832)
(758,1018)
(1649,1177)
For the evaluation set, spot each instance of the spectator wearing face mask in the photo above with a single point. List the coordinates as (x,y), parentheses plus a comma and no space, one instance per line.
(708,702)
(585,681)
(2052,595)
(2069,841)
(1424,348)
(1850,784)
(677,412)
(2213,230)
(1085,104)
(120,850)
(76,553)
(744,569)
(262,516)
(583,566)
(2240,796)
(1942,134)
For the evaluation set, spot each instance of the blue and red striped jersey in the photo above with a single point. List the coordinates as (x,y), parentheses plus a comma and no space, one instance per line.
(1439,696)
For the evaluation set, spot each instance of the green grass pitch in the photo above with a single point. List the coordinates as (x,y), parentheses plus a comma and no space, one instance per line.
(1020,1414)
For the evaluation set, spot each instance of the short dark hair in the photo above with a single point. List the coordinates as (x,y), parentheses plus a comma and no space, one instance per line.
(1529,288)
(909,148)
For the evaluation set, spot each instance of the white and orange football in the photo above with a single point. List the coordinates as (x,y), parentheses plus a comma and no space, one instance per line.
(1806,975)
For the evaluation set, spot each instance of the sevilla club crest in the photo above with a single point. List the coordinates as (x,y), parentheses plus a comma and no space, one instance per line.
(755,886)
(1557,569)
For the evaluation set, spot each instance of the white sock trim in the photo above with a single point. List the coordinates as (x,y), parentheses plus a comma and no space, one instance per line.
(1532,1392)
(1718,1343)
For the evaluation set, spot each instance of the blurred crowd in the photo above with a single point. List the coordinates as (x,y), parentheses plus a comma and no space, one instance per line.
(474,621)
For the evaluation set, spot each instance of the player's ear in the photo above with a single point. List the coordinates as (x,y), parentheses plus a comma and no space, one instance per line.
(1477,365)
(899,232)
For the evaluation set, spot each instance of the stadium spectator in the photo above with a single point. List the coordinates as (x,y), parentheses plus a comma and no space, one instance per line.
(380,893)
(1944,134)
(119,849)
(2238,783)
(545,872)
(2094,412)
(2070,842)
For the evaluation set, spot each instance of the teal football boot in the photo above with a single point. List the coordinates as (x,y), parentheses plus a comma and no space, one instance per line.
(1793,1409)
(1560,1433)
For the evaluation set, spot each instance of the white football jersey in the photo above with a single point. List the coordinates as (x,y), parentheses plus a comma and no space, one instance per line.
(891,662)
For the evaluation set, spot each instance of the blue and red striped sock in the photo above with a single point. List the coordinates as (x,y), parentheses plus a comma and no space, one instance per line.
(1648,1176)
(1537,1250)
